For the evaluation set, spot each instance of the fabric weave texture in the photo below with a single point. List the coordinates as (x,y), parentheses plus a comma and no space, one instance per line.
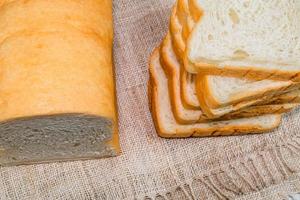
(245,167)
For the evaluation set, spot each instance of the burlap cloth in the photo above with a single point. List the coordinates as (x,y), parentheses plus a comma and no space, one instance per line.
(247,167)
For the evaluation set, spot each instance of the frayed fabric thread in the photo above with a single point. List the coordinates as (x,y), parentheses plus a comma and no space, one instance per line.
(253,173)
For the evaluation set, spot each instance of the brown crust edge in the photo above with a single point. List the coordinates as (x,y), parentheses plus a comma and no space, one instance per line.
(195,10)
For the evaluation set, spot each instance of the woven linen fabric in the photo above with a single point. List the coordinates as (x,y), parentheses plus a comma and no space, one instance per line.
(263,166)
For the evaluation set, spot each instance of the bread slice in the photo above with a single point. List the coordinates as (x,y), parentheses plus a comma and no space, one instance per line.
(167,126)
(237,90)
(223,91)
(253,39)
(187,116)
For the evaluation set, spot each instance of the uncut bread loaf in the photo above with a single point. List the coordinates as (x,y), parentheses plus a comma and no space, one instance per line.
(168,127)
(57,97)
(251,39)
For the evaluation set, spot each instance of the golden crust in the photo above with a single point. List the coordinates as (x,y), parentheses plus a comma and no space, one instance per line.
(181,10)
(183,16)
(195,10)
(176,32)
(188,13)
(37,58)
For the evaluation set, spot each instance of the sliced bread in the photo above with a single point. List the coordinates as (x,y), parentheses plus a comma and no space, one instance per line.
(167,126)
(187,116)
(237,90)
(252,39)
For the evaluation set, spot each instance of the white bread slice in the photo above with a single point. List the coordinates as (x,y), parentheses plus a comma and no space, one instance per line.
(167,126)
(187,116)
(237,90)
(253,39)
(223,91)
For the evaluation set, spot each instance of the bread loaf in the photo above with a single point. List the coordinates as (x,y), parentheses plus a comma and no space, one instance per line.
(57,96)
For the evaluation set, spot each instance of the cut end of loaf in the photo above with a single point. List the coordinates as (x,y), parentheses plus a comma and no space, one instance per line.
(62,137)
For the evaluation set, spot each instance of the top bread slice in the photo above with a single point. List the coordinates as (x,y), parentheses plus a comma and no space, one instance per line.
(223,91)
(167,126)
(252,39)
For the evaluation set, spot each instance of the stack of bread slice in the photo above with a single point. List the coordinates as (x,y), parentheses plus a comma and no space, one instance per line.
(226,68)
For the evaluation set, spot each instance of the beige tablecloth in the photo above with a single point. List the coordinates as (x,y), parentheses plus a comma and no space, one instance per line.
(248,167)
